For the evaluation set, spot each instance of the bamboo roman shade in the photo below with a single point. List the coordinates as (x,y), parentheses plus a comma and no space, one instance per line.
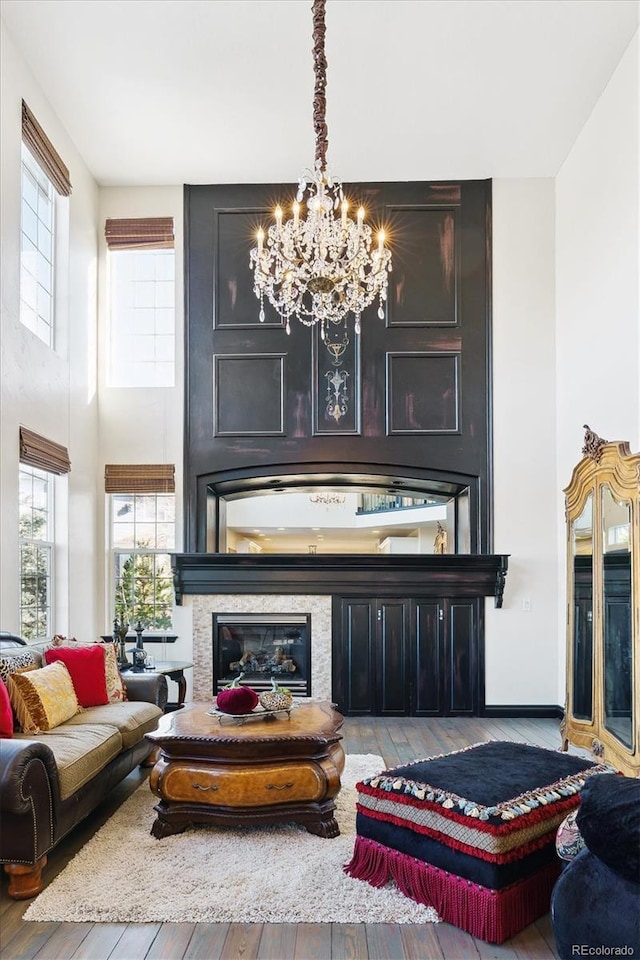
(142,233)
(139,478)
(37,451)
(45,152)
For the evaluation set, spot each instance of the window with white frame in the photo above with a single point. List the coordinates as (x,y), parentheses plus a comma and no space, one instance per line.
(142,318)
(37,249)
(36,552)
(142,535)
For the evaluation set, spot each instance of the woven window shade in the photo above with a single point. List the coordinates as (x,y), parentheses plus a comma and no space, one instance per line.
(144,233)
(45,152)
(139,478)
(37,451)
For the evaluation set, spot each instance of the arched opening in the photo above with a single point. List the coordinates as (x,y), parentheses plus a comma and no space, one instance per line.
(340,513)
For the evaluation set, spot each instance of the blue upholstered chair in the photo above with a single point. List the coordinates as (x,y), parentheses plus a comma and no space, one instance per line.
(595,903)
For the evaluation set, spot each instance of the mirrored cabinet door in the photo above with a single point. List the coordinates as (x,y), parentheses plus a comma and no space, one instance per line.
(582,640)
(603,604)
(617,620)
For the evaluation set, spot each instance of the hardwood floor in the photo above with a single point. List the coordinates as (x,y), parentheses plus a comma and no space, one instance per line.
(396,740)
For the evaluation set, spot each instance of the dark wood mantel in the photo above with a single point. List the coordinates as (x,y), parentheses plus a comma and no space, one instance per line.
(417,575)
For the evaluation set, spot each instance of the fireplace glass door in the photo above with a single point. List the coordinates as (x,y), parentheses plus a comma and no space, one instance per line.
(261,647)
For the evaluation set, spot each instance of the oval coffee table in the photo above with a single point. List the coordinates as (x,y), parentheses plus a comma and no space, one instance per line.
(280,768)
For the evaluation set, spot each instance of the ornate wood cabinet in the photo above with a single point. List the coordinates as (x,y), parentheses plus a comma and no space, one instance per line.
(603,597)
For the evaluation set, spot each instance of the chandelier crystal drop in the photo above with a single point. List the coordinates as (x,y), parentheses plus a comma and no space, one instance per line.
(328,499)
(320,265)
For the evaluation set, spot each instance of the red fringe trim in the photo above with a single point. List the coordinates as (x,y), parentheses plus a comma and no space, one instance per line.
(509,857)
(490,915)
(543,812)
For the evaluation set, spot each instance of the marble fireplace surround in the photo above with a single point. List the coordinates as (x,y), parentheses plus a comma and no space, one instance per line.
(205,605)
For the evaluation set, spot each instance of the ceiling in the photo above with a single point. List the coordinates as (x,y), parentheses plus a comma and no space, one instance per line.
(220,91)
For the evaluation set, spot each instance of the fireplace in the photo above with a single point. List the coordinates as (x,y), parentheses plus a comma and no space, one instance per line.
(262,646)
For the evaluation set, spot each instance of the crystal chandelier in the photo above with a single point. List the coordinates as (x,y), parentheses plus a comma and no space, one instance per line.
(323,266)
(328,499)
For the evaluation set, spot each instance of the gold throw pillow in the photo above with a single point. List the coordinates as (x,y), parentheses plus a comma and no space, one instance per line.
(43,699)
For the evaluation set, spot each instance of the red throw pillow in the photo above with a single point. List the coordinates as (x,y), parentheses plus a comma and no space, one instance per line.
(6,713)
(86,666)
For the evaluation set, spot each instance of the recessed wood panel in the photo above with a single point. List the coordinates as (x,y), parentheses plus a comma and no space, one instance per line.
(357,643)
(336,381)
(423,289)
(249,395)
(422,393)
(428,669)
(461,657)
(392,650)
(235,303)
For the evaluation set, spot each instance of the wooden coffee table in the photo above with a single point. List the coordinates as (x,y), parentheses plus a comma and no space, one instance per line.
(281,768)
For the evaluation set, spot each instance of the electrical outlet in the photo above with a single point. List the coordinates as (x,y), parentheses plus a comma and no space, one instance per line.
(526,605)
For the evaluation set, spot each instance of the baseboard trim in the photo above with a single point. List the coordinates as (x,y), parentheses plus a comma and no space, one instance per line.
(549,710)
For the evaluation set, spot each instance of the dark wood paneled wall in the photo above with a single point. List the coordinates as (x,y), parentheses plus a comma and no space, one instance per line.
(418,388)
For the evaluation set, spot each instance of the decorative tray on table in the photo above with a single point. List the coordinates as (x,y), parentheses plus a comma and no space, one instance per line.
(258,713)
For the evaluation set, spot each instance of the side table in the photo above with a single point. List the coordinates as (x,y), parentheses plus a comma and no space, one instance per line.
(174,670)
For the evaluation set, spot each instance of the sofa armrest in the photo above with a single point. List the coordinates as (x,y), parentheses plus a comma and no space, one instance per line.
(149,687)
(29,792)
(18,772)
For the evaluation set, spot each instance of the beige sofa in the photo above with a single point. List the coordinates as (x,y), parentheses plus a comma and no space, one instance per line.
(50,781)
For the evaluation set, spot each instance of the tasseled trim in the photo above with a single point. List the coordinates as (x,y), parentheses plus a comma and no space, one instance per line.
(490,915)
(533,814)
(509,857)
(27,705)
(389,782)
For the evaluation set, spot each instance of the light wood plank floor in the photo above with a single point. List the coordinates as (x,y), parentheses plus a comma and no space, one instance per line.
(397,740)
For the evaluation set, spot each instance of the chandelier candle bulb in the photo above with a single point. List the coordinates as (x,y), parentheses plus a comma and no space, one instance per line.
(296,214)
(260,237)
(345,207)
(279,218)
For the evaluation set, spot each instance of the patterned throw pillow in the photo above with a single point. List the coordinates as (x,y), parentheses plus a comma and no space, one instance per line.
(86,666)
(27,660)
(43,699)
(569,840)
(116,690)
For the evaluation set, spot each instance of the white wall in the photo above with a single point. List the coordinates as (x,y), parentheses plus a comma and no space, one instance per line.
(597,287)
(51,392)
(139,424)
(521,645)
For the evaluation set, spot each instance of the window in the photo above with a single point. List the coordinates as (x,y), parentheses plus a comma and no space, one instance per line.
(37,249)
(36,552)
(142,534)
(45,180)
(141,264)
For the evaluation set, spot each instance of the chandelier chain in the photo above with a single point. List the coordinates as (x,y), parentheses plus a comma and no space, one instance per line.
(320,264)
(320,72)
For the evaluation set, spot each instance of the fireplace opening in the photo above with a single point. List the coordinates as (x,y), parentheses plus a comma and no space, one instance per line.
(262,647)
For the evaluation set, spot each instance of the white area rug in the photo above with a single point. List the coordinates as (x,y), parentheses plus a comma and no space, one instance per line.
(276,874)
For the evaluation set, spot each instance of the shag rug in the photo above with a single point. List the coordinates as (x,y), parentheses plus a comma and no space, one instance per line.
(274,874)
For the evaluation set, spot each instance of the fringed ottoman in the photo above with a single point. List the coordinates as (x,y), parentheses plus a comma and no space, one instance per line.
(470,833)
